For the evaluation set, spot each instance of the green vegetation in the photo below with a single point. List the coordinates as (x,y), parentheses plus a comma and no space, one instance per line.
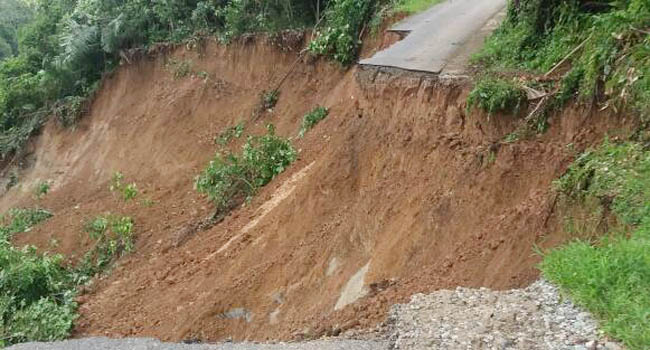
(128,191)
(414,6)
(311,119)
(496,95)
(19,220)
(340,38)
(179,68)
(13,14)
(268,99)
(604,47)
(113,236)
(233,178)
(611,275)
(234,131)
(41,189)
(36,292)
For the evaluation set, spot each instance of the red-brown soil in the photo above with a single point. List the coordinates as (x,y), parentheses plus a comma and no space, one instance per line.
(398,175)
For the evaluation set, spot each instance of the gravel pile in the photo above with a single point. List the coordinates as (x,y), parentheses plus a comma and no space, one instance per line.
(532,318)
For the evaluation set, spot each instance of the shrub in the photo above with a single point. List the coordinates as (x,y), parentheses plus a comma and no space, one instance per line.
(234,131)
(19,220)
(610,276)
(496,95)
(340,37)
(113,236)
(128,191)
(311,119)
(44,320)
(228,180)
(610,63)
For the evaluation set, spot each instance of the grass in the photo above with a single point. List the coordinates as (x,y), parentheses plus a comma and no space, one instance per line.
(610,276)
(312,118)
(230,179)
(609,66)
(495,95)
(414,6)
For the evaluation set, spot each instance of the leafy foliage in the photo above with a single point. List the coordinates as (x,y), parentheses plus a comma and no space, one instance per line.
(311,119)
(36,293)
(113,236)
(496,95)
(234,131)
(611,277)
(612,64)
(340,37)
(41,189)
(230,179)
(128,191)
(19,220)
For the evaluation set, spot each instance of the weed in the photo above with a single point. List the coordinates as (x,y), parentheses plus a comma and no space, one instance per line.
(230,179)
(13,179)
(511,137)
(610,277)
(179,68)
(19,220)
(113,236)
(36,293)
(268,99)
(496,95)
(312,118)
(128,191)
(234,131)
(147,202)
(41,189)
(605,51)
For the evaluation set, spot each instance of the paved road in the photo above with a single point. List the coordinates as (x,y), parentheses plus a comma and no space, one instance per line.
(151,344)
(439,35)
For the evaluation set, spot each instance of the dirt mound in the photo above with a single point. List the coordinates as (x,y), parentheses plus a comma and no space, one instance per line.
(397,191)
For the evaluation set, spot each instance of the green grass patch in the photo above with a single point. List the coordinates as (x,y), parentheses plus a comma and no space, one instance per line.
(414,6)
(606,46)
(312,118)
(610,276)
(495,95)
(233,178)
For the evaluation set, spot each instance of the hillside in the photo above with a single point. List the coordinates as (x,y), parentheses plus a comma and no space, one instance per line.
(402,183)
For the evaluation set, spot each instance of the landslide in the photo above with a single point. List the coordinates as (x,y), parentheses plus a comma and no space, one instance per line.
(399,181)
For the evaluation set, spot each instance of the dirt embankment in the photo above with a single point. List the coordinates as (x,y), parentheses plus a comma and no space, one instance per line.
(397,191)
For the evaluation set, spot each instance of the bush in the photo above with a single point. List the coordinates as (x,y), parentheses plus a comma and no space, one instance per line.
(44,320)
(19,220)
(610,276)
(340,38)
(311,119)
(113,236)
(496,95)
(228,180)
(612,63)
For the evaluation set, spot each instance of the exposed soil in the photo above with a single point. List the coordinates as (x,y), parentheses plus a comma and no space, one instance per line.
(398,176)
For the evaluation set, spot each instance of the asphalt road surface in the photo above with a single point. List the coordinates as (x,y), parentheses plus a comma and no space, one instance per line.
(437,36)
